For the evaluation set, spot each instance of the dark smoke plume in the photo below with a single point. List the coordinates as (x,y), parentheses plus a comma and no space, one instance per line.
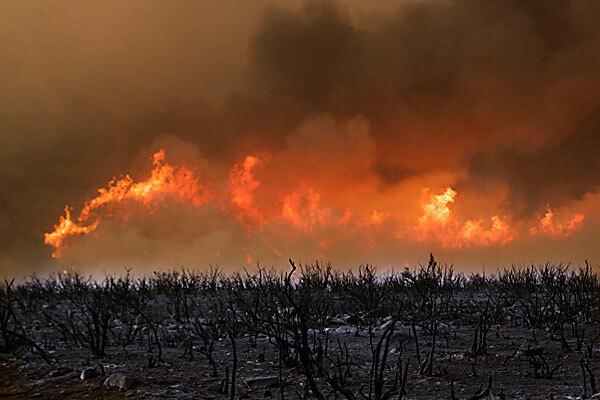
(508,91)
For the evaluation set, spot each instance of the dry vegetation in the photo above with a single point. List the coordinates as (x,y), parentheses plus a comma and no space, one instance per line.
(311,332)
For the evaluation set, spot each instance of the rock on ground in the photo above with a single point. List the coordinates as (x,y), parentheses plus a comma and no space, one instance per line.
(261,381)
(88,373)
(119,380)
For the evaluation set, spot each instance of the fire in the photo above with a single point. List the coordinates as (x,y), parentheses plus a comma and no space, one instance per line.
(436,209)
(66,228)
(548,226)
(499,232)
(249,260)
(302,209)
(165,180)
(374,218)
(437,224)
(298,207)
(242,187)
(345,218)
(275,250)
(325,244)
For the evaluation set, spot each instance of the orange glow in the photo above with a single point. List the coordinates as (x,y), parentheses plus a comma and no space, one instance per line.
(271,205)
(274,249)
(436,209)
(325,244)
(548,225)
(302,209)
(473,233)
(438,224)
(66,228)
(242,186)
(165,180)
(375,218)
(345,218)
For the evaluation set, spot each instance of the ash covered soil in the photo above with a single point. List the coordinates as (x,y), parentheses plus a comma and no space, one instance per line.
(310,333)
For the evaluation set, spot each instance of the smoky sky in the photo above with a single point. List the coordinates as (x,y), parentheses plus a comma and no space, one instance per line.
(506,90)
(560,171)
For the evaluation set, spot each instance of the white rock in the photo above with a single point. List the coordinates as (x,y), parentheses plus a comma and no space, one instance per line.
(261,381)
(118,380)
(88,373)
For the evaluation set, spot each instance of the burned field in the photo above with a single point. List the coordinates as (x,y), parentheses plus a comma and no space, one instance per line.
(308,333)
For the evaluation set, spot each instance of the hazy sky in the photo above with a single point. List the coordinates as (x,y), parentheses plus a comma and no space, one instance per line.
(353,107)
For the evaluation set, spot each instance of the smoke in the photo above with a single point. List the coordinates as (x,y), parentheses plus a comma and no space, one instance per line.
(561,171)
(499,99)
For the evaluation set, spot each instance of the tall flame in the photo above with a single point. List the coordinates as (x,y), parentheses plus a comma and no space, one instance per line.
(66,228)
(165,180)
(303,210)
(436,224)
(242,186)
(436,209)
(301,206)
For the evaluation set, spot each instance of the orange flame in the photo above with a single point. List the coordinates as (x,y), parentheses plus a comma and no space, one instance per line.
(165,180)
(265,207)
(249,260)
(438,225)
(374,218)
(436,209)
(66,228)
(474,234)
(548,226)
(302,209)
(242,186)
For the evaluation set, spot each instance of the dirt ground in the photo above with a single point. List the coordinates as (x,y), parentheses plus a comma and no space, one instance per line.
(180,377)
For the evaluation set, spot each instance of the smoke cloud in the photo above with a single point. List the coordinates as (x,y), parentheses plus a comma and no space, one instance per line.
(364,105)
